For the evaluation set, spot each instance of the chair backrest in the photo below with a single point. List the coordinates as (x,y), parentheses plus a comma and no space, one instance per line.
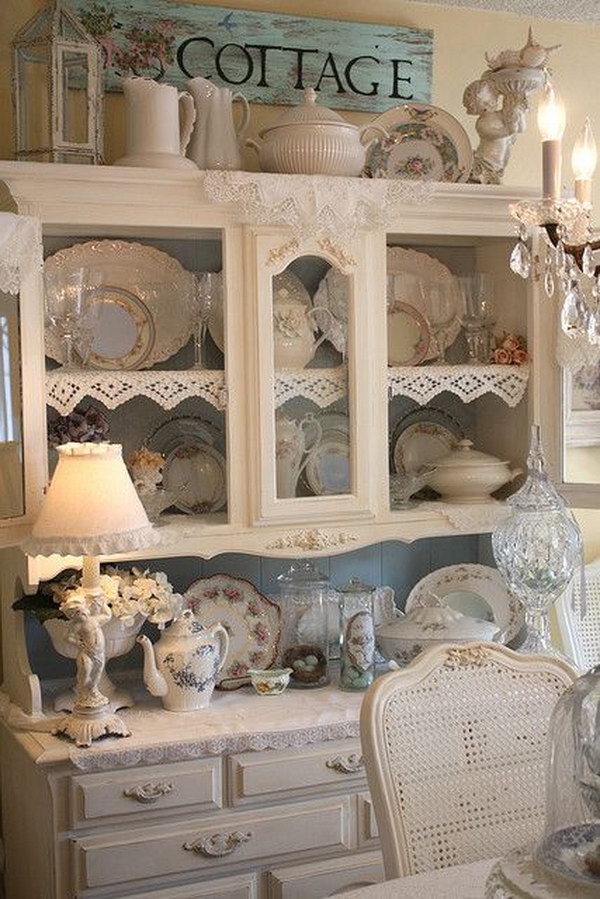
(581,636)
(455,750)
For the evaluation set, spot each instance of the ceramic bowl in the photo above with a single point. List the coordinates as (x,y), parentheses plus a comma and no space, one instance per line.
(270,681)
(467,475)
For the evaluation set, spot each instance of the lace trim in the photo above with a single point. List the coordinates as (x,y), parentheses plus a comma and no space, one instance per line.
(323,386)
(94,760)
(470,517)
(468,382)
(64,390)
(106,544)
(316,206)
(20,249)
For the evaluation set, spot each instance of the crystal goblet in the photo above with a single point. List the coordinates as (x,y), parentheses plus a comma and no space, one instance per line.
(71,313)
(203,301)
(476,315)
(440,303)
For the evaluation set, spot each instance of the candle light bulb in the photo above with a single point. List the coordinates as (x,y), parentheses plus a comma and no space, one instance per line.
(551,115)
(584,156)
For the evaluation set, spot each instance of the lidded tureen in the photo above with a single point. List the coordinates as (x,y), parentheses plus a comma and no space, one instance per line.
(313,140)
(467,475)
(427,623)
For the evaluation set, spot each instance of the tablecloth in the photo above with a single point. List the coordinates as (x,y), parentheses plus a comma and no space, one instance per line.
(461,882)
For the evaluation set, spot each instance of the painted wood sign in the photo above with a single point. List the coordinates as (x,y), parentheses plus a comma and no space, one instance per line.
(271,58)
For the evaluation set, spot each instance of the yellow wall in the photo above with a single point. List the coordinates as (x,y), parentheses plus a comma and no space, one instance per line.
(461,37)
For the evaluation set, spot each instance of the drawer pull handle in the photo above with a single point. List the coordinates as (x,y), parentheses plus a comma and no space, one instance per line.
(218,844)
(148,793)
(346,764)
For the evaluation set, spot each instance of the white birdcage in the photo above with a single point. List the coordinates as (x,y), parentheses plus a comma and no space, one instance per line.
(57,89)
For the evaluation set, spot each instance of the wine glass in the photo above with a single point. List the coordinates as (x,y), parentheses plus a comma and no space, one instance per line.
(440,302)
(477,315)
(71,313)
(204,299)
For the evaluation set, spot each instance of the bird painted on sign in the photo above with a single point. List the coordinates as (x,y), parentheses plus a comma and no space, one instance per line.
(226,22)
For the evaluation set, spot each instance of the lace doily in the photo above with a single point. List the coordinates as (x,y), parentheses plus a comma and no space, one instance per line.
(20,249)
(321,385)
(468,382)
(479,517)
(64,390)
(316,206)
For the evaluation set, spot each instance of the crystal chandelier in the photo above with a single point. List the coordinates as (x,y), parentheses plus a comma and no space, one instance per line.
(568,260)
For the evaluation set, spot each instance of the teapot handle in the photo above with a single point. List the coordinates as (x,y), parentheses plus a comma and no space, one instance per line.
(243,125)
(310,421)
(222,636)
(187,121)
(328,330)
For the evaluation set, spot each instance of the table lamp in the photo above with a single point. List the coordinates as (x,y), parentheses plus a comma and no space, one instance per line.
(91,508)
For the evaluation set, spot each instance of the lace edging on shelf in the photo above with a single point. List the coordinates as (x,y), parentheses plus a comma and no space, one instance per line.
(468,382)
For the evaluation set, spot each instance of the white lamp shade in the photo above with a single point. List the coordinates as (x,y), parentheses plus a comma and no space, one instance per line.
(91,506)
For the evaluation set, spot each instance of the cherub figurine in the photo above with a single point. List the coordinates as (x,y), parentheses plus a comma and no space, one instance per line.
(87,615)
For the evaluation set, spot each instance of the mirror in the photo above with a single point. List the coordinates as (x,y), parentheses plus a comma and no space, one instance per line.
(581,437)
(11,444)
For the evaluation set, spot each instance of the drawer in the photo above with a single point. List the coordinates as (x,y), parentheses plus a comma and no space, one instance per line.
(145,791)
(201,845)
(318,879)
(257,775)
(242,887)
(367,823)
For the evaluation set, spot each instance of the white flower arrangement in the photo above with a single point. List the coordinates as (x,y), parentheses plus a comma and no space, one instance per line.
(128,592)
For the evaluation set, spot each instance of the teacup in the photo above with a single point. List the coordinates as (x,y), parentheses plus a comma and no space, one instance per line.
(270,681)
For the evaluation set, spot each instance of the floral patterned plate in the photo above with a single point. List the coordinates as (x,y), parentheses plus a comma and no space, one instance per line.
(252,621)
(408,333)
(564,852)
(425,143)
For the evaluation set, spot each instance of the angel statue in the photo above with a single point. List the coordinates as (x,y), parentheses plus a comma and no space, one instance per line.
(499,100)
(87,615)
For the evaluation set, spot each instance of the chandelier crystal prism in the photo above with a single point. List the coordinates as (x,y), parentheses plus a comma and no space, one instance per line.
(568,267)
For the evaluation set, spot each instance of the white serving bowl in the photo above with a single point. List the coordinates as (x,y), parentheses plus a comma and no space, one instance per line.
(467,475)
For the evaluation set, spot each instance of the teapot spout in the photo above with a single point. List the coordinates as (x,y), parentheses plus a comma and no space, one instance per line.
(153,679)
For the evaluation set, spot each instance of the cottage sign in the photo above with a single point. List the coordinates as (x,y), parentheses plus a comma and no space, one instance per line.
(270,57)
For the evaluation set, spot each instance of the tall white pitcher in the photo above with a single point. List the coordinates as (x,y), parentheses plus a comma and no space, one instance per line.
(159,122)
(215,142)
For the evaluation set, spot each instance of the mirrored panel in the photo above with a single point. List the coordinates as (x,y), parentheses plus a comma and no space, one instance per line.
(311,301)
(581,432)
(12,491)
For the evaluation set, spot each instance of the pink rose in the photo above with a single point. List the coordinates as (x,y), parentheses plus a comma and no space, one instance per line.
(502,356)
(510,343)
(519,357)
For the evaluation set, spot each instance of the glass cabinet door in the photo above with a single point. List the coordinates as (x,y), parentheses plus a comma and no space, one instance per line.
(12,488)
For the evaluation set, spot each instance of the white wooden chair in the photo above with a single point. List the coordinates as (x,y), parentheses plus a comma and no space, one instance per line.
(454,747)
(581,636)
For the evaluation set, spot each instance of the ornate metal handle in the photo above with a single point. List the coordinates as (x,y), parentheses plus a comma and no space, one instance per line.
(148,793)
(346,764)
(218,844)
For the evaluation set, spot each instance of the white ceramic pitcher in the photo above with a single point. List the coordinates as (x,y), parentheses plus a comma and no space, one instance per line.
(294,329)
(294,449)
(159,122)
(215,142)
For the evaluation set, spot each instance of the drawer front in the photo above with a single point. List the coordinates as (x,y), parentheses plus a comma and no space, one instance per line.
(145,791)
(168,849)
(254,775)
(367,823)
(318,879)
(242,887)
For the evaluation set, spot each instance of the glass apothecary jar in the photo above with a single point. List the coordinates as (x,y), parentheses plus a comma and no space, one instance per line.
(357,635)
(305,647)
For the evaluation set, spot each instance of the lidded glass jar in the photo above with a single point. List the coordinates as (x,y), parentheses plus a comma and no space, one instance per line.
(304,607)
(357,635)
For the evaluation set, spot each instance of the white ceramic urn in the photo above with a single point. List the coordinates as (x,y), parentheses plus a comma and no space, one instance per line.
(467,475)
(182,667)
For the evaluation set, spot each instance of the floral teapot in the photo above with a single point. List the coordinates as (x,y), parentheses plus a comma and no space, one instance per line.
(294,448)
(182,667)
(294,329)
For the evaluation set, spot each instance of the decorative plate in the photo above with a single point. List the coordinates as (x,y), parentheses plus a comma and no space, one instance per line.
(333,294)
(195,473)
(422,443)
(405,268)
(141,297)
(564,852)
(252,621)
(328,468)
(473,590)
(286,280)
(425,143)
(408,334)
(168,434)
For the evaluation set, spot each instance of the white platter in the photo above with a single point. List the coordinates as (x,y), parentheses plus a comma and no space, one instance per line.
(469,588)
(328,469)
(141,298)
(252,621)
(405,268)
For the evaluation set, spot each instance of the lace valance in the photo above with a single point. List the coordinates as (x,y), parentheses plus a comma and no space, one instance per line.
(316,206)
(468,382)
(20,249)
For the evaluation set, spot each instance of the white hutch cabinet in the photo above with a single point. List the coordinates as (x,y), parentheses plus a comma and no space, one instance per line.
(95,829)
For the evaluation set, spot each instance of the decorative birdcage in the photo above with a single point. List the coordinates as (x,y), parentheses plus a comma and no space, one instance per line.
(57,89)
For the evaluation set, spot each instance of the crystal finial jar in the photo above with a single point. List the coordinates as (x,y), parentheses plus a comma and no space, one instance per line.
(537,548)
(357,635)
(303,594)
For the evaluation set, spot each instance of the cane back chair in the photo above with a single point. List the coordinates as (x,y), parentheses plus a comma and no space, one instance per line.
(581,636)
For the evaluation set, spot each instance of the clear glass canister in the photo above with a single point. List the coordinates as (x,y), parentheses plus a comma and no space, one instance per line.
(357,635)
(304,607)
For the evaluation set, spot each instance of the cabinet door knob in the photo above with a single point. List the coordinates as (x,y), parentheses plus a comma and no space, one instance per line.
(218,844)
(346,764)
(148,793)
